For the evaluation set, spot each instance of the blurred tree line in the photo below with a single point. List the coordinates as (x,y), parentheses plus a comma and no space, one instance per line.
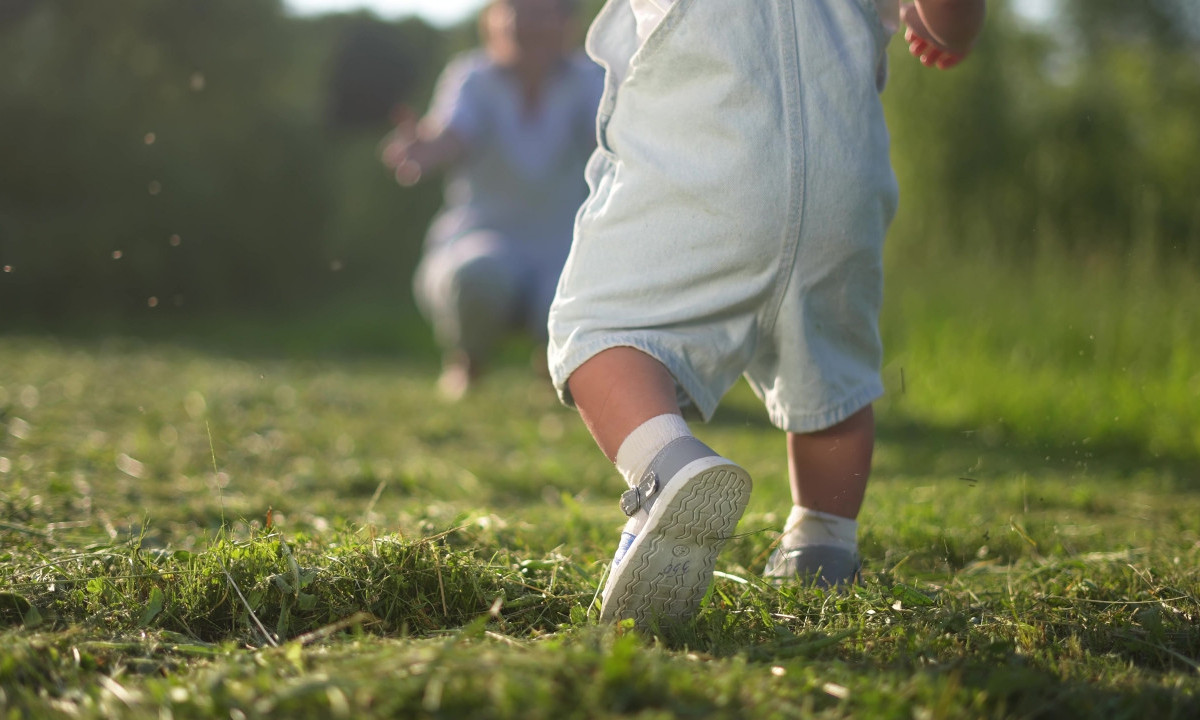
(200,156)
(1076,135)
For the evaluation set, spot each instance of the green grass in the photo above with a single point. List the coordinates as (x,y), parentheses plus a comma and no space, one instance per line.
(194,526)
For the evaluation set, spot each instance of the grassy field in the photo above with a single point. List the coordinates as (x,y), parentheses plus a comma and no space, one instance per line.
(223,528)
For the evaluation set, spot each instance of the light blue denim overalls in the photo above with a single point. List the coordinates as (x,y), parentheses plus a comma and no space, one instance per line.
(739,199)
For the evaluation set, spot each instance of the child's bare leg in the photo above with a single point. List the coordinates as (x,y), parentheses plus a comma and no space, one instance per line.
(684,500)
(617,391)
(829,472)
(829,468)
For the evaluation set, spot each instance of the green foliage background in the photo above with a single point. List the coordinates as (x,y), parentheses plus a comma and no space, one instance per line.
(172,508)
(188,157)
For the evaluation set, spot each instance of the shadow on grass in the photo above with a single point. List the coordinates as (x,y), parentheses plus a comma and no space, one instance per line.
(979,454)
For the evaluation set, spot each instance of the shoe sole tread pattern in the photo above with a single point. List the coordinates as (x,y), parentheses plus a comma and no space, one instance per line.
(667,571)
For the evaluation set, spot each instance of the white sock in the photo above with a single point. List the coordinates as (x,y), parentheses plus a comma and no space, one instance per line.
(640,447)
(806,527)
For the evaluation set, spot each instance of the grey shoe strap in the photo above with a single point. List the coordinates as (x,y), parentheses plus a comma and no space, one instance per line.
(824,565)
(670,460)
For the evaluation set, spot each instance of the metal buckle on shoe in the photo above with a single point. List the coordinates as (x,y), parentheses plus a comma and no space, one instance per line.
(633,498)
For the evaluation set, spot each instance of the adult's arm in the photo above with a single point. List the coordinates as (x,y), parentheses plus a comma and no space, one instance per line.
(455,122)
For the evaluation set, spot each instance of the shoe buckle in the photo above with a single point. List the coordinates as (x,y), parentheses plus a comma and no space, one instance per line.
(635,497)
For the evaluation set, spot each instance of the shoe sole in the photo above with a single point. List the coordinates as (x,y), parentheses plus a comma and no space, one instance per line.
(668,568)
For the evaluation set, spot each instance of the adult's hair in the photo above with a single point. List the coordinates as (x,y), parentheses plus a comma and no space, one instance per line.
(568,8)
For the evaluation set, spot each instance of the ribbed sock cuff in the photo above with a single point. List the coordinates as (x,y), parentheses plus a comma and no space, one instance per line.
(640,447)
(806,528)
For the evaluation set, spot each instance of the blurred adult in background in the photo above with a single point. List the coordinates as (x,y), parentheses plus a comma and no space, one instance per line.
(513,123)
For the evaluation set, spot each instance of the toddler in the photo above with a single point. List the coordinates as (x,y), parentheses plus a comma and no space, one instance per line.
(739,197)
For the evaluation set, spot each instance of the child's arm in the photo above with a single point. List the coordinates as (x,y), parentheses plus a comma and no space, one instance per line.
(942,32)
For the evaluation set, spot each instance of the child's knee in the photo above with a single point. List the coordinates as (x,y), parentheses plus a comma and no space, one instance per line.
(859,422)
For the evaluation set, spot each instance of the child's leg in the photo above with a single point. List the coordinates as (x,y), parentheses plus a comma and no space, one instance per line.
(684,500)
(828,471)
(617,391)
(829,468)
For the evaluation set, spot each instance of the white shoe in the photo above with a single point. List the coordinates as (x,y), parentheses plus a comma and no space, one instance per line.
(686,506)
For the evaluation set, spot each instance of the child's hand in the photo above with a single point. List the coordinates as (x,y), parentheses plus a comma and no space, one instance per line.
(949,45)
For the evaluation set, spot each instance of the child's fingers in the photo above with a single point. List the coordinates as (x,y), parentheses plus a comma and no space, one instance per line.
(929,54)
(948,60)
(918,47)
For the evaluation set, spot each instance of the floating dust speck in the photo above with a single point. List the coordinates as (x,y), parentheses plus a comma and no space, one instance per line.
(8,268)
(838,691)
(778,671)
(154,187)
(5,465)
(130,467)
(19,428)
(175,241)
(336,266)
(149,138)
(197,82)
(152,301)
(117,255)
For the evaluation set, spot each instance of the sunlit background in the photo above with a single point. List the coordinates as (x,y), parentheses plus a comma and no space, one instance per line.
(438,12)
(443,12)
(170,160)
(214,379)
